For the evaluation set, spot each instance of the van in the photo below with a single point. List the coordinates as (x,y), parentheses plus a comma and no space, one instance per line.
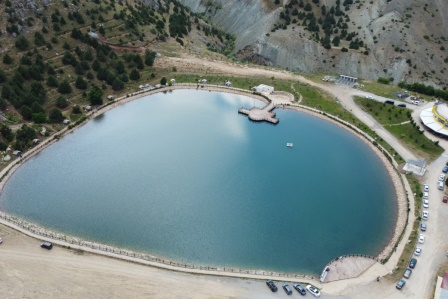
(440,185)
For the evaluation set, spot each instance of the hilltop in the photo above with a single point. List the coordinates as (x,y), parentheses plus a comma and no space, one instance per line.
(399,39)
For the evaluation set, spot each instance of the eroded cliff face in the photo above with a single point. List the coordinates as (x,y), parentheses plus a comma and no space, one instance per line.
(405,39)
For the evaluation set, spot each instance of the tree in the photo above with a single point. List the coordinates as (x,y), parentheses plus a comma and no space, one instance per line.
(80,83)
(22,43)
(26,112)
(7,59)
(52,81)
(163,81)
(95,95)
(55,116)
(7,133)
(39,118)
(149,57)
(134,75)
(336,41)
(308,7)
(76,109)
(64,87)
(37,108)
(25,133)
(61,102)
(117,84)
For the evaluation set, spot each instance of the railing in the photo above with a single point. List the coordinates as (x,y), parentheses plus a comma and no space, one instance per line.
(156,261)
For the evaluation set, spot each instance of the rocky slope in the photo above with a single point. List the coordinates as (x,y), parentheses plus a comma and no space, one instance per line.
(402,39)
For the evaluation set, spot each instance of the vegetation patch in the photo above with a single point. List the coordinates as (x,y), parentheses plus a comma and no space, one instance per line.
(398,121)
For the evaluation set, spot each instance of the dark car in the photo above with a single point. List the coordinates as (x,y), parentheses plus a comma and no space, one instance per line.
(412,263)
(46,245)
(402,105)
(445,169)
(401,284)
(389,102)
(445,199)
(300,289)
(287,289)
(272,285)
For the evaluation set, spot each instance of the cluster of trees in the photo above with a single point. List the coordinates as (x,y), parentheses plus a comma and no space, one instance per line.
(425,89)
(331,24)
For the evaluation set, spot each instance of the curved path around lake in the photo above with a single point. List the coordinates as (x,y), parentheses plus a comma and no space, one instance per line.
(278,99)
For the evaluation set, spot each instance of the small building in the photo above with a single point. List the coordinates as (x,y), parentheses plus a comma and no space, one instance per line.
(36,141)
(158,85)
(173,81)
(227,83)
(66,121)
(418,167)
(93,35)
(43,131)
(17,153)
(110,98)
(158,55)
(202,81)
(7,158)
(88,108)
(442,287)
(141,87)
(263,88)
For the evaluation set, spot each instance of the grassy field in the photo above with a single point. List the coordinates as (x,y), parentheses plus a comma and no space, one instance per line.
(409,248)
(386,90)
(397,121)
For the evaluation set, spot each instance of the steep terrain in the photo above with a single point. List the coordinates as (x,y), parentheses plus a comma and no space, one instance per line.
(400,39)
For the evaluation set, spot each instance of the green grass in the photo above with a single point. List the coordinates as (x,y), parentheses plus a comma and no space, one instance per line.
(406,255)
(385,90)
(392,119)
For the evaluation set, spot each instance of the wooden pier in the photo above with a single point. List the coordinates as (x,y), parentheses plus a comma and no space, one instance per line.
(264,114)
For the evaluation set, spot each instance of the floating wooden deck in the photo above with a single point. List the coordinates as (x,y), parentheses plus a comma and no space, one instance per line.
(264,114)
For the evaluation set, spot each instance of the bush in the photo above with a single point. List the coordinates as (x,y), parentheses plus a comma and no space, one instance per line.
(61,102)
(55,116)
(64,87)
(76,110)
(7,59)
(22,43)
(383,80)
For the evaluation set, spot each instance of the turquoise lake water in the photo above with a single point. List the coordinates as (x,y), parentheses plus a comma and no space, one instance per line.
(182,175)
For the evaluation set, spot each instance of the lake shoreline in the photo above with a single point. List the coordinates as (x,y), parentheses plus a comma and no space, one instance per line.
(400,196)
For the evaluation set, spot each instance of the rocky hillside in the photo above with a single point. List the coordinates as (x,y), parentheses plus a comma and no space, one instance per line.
(399,39)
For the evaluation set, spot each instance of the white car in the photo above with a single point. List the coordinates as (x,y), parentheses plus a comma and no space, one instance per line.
(1,241)
(425,187)
(421,239)
(425,215)
(313,290)
(417,251)
(426,203)
(369,97)
(425,195)
(442,177)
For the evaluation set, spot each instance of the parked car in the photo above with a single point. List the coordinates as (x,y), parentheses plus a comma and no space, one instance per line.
(426,203)
(412,263)
(369,97)
(300,289)
(423,226)
(390,102)
(426,188)
(46,245)
(440,185)
(425,215)
(287,289)
(313,290)
(1,241)
(425,195)
(445,199)
(421,239)
(402,105)
(417,251)
(401,284)
(272,285)
(407,273)
(442,177)
(445,169)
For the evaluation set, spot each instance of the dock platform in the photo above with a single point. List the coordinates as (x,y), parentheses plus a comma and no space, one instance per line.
(265,114)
